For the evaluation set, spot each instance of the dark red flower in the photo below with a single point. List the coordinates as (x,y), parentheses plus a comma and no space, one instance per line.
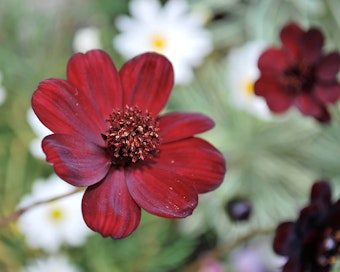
(312,243)
(109,137)
(299,74)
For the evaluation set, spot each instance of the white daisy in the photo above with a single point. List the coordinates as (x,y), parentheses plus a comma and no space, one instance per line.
(2,91)
(242,72)
(168,30)
(56,263)
(85,39)
(40,130)
(50,225)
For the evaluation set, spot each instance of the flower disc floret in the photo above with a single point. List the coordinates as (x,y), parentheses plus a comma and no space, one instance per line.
(131,136)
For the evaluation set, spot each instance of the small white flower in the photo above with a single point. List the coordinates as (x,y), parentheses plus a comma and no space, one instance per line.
(167,30)
(2,91)
(58,263)
(85,39)
(242,72)
(40,130)
(50,225)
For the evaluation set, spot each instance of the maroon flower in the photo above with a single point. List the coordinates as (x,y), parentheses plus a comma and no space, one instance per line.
(299,74)
(108,136)
(312,243)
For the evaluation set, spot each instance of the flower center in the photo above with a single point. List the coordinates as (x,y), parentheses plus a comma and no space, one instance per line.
(330,248)
(248,87)
(158,42)
(56,214)
(132,136)
(298,79)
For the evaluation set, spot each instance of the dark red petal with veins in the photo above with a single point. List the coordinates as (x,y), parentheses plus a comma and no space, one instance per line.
(291,36)
(274,60)
(108,207)
(196,160)
(329,66)
(311,44)
(276,97)
(176,126)
(63,109)
(75,159)
(95,75)
(147,81)
(284,237)
(162,192)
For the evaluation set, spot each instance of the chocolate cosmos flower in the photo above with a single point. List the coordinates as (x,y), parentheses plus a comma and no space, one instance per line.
(108,136)
(299,74)
(312,243)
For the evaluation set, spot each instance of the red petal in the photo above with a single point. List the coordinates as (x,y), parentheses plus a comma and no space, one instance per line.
(284,238)
(327,94)
(321,192)
(309,106)
(147,81)
(329,67)
(291,36)
(196,160)
(295,265)
(95,74)
(273,59)
(311,43)
(176,126)
(277,99)
(161,192)
(62,109)
(108,207)
(76,160)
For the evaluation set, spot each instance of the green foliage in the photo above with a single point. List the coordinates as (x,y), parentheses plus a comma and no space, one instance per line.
(273,163)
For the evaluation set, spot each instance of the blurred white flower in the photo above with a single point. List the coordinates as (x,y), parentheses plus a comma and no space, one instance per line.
(50,225)
(256,256)
(247,260)
(242,72)
(169,30)
(40,130)
(85,39)
(2,91)
(58,263)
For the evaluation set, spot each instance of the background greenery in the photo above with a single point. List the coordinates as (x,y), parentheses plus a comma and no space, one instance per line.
(272,164)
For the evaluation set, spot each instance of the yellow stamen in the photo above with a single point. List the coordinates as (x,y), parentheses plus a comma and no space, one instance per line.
(56,214)
(158,42)
(248,87)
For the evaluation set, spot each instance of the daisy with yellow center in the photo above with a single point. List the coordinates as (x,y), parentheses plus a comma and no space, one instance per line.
(242,73)
(169,30)
(50,225)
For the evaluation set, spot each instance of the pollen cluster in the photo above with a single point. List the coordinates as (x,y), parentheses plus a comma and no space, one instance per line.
(132,136)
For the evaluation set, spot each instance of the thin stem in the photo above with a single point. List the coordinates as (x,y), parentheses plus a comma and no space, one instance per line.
(224,249)
(16,214)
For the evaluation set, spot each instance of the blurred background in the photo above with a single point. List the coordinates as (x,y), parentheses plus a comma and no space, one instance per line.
(214,46)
